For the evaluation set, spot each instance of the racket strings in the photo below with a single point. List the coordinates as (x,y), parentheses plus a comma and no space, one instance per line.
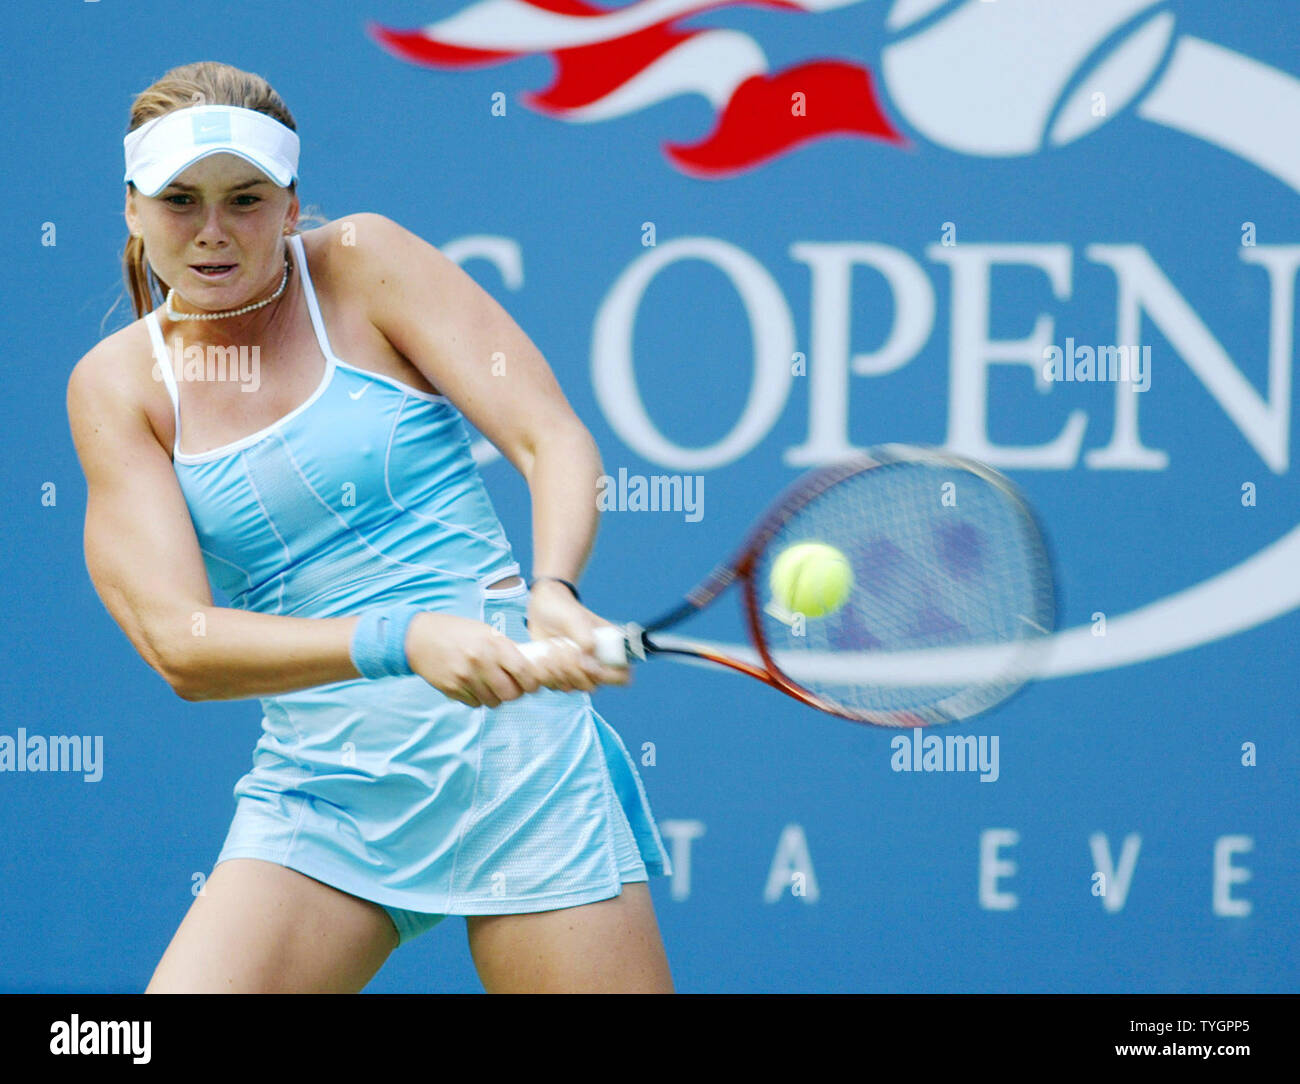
(943,560)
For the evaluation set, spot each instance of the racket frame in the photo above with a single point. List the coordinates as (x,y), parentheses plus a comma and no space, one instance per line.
(742,565)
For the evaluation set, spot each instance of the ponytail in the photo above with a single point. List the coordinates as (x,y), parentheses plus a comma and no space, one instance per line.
(145,289)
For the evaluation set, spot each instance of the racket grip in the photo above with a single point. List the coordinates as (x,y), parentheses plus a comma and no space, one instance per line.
(611,646)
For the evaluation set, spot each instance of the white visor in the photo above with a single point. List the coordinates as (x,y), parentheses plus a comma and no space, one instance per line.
(168,145)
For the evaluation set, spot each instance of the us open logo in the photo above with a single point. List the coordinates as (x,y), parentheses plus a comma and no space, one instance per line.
(990,79)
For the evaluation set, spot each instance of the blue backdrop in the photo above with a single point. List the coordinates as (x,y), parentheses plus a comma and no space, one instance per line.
(1111,173)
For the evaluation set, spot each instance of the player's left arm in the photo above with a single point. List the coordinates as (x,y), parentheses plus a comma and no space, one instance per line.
(470,349)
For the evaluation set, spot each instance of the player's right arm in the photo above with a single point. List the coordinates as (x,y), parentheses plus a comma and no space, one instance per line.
(144,560)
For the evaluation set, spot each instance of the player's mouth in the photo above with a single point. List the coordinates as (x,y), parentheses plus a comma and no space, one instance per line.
(213,272)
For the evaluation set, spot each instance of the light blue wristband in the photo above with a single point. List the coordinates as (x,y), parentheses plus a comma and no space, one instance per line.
(378,646)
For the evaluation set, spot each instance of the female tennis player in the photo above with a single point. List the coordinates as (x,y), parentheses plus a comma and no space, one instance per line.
(287,425)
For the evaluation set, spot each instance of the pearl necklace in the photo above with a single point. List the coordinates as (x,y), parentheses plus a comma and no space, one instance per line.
(172,314)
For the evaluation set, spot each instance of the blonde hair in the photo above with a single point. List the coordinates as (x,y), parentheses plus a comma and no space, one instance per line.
(205,83)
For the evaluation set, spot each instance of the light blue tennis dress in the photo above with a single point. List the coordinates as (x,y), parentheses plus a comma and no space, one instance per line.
(366,495)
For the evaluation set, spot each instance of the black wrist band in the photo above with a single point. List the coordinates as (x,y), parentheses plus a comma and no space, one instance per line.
(576,597)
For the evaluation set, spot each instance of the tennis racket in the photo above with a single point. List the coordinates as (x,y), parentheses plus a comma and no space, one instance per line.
(947,611)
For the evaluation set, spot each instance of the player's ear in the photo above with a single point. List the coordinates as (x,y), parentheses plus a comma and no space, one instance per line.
(132,218)
(293,211)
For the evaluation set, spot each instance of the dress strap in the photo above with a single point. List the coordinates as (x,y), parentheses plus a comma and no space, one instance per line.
(163,363)
(317,323)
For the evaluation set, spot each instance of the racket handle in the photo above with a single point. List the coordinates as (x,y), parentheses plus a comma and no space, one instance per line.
(611,646)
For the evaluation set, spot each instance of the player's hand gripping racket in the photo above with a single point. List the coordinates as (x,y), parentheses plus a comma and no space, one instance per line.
(905,587)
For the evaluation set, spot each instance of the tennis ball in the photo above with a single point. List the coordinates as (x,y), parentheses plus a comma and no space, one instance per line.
(811,578)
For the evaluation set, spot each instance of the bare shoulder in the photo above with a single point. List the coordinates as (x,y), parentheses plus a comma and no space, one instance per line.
(107,368)
(364,251)
(115,381)
(363,233)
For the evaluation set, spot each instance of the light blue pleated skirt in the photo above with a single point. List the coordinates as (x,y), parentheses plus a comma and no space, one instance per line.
(393,792)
